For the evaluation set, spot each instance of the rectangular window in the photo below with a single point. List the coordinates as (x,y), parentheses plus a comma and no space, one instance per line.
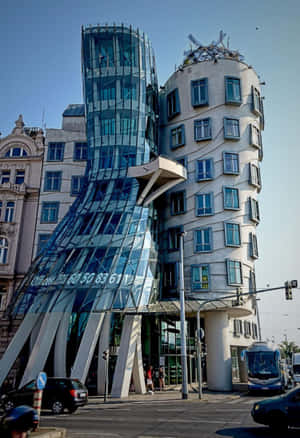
(231,163)
(56,151)
(49,212)
(174,238)
(105,51)
(20,176)
(202,129)
(9,211)
(173,105)
(231,198)
(203,240)
(1,205)
(204,204)
(127,156)
(177,200)
(200,277)
(247,329)
(254,175)
(254,210)
(231,129)
(256,101)
(253,246)
(77,183)
(234,272)
(107,91)
(42,240)
(99,191)
(177,137)
(237,327)
(80,151)
(232,234)
(255,137)
(106,157)
(252,282)
(199,92)
(182,161)
(254,331)
(170,276)
(204,169)
(5,176)
(52,181)
(122,189)
(233,93)
(128,126)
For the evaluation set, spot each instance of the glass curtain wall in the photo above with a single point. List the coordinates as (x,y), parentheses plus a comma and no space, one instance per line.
(102,255)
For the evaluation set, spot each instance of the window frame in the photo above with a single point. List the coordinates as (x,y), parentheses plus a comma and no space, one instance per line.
(197,196)
(55,152)
(50,182)
(256,101)
(9,211)
(228,136)
(234,101)
(196,128)
(253,246)
(4,247)
(41,245)
(255,132)
(18,176)
(231,171)
(254,217)
(254,175)
(237,265)
(173,104)
(82,146)
(46,204)
(166,284)
(226,233)
(172,195)
(177,231)
(236,190)
(177,129)
(210,240)
(206,178)
(194,287)
(5,176)
(198,83)
(237,327)
(81,180)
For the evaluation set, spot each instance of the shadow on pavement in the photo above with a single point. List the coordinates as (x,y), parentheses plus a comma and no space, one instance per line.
(257,432)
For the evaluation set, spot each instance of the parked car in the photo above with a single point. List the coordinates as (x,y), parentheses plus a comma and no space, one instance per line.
(58,394)
(279,412)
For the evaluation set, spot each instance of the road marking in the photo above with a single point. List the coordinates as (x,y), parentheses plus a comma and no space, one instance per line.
(98,434)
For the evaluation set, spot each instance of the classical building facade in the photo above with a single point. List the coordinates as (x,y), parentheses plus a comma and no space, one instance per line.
(21,158)
(107,279)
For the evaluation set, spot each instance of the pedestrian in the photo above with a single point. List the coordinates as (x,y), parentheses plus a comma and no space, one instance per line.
(161,378)
(149,379)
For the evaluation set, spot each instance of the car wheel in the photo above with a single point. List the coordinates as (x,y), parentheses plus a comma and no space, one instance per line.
(72,409)
(57,407)
(277,421)
(8,405)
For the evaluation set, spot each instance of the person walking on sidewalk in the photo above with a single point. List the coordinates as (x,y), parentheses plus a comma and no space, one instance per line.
(149,379)
(161,378)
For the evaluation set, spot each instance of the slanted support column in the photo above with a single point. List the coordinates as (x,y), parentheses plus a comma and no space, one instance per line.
(16,345)
(128,349)
(138,369)
(87,346)
(103,345)
(218,351)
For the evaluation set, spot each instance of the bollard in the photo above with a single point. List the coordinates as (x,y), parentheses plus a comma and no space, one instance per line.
(37,402)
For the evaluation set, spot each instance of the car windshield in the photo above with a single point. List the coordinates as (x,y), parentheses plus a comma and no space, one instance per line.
(262,364)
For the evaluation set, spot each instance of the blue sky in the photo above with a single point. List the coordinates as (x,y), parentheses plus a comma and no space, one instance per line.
(40,72)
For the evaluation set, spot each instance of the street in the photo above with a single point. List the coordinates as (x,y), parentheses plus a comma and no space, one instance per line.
(165,415)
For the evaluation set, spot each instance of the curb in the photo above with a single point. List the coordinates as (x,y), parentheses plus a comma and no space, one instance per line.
(49,432)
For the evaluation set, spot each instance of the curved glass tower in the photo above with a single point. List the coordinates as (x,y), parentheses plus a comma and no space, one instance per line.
(102,256)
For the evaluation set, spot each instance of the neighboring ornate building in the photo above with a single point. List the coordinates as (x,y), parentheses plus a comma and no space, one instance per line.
(21,158)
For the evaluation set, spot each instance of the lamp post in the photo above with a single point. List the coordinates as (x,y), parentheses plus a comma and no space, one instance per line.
(182,322)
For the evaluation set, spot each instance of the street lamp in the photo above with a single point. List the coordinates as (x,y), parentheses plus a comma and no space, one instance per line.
(182,321)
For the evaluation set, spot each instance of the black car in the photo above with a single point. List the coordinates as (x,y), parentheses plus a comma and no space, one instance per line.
(58,394)
(279,412)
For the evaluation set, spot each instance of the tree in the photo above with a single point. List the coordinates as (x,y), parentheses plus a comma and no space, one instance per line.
(288,348)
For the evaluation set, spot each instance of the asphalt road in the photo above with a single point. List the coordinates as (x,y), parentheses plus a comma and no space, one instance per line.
(165,418)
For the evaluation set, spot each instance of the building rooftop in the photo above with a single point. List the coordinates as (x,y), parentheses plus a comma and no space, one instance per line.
(74,110)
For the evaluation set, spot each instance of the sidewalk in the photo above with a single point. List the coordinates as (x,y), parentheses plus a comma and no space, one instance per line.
(170,393)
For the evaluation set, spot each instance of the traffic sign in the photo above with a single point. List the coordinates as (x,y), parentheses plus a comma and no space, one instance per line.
(41,380)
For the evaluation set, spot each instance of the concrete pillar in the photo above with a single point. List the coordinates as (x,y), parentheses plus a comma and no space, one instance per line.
(130,334)
(103,345)
(17,344)
(87,346)
(138,369)
(218,351)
